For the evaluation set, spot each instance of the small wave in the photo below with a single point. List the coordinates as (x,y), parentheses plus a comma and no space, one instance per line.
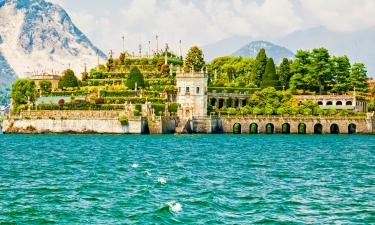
(148,173)
(135,165)
(175,207)
(162,180)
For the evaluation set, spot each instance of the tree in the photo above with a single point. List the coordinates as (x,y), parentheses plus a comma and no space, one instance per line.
(194,59)
(321,68)
(270,78)
(45,87)
(259,67)
(358,77)
(23,90)
(301,78)
(85,76)
(68,79)
(135,79)
(284,73)
(341,72)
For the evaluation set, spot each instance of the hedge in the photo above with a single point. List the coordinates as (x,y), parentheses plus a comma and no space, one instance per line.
(233,90)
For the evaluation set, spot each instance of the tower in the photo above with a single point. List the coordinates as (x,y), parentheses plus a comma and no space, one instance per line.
(192,93)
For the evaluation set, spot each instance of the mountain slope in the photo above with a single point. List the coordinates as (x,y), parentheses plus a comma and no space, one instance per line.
(358,46)
(7,74)
(224,47)
(39,36)
(272,50)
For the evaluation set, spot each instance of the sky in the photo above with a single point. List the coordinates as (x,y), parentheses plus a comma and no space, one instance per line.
(201,22)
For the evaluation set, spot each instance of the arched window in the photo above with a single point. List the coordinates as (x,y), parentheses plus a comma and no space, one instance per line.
(320,103)
(329,103)
(339,103)
(349,103)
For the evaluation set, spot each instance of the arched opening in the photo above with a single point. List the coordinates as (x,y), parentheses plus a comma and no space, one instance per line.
(213,101)
(302,128)
(329,103)
(221,103)
(320,103)
(270,128)
(237,128)
(253,128)
(236,103)
(339,103)
(335,129)
(318,129)
(349,103)
(352,129)
(285,129)
(229,103)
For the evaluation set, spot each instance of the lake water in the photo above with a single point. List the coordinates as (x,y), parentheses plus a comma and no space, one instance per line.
(200,179)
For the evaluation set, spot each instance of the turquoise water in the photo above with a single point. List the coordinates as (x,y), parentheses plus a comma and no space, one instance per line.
(208,179)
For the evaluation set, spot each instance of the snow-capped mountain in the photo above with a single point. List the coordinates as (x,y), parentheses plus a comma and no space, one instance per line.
(36,35)
(272,50)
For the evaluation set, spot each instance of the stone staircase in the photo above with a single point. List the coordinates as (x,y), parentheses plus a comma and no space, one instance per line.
(183,127)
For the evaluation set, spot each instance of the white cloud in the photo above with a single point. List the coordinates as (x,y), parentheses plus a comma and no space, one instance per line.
(205,21)
(342,15)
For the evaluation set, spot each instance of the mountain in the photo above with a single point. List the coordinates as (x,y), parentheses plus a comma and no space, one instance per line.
(272,50)
(36,35)
(224,47)
(7,74)
(358,46)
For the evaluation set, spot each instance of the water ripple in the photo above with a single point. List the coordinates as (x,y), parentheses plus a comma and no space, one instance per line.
(202,179)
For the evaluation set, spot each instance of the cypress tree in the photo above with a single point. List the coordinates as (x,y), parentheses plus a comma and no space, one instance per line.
(284,72)
(135,76)
(259,66)
(270,78)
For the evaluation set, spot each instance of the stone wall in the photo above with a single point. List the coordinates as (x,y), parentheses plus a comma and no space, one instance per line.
(104,122)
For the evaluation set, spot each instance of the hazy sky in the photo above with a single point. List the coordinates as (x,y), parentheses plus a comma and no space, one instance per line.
(205,21)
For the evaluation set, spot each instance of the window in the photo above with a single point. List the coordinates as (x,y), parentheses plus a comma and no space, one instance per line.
(187,89)
(198,90)
(179,90)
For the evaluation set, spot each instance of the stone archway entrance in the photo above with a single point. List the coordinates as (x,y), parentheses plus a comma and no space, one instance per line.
(253,128)
(237,128)
(285,129)
(270,128)
(352,129)
(335,129)
(318,129)
(302,128)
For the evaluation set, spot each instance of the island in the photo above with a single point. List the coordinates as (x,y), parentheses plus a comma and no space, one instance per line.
(164,93)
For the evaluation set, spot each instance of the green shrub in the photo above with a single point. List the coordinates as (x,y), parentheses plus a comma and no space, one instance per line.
(124,120)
